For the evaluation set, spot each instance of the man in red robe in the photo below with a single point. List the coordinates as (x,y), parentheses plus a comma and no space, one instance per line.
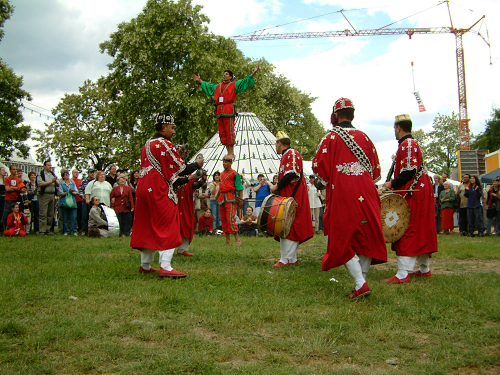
(230,185)
(291,183)
(410,173)
(225,94)
(156,224)
(347,164)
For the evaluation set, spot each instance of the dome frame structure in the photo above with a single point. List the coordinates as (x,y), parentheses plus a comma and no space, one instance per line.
(254,150)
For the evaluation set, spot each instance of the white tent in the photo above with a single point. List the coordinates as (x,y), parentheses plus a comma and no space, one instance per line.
(254,150)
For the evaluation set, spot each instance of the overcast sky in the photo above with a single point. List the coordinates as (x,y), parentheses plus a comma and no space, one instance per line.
(54,44)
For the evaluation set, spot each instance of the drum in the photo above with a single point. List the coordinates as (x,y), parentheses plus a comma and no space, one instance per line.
(276,215)
(395,216)
(113,224)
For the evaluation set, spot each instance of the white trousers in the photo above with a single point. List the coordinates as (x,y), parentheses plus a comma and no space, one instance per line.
(358,267)
(184,246)
(165,258)
(406,264)
(288,250)
(257,210)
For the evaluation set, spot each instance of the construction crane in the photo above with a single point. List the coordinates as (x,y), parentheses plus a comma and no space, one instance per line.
(464,132)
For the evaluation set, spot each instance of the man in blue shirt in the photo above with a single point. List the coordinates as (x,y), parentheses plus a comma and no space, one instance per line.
(263,190)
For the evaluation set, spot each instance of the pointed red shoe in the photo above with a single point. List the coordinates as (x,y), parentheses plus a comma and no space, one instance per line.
(173,273)
(281,264)
(364,291)
(185,253)
(420,274)
(395,280)
(296,263)
(142,270)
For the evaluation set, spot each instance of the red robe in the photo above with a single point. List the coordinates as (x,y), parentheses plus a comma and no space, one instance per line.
(302,228)
(156,224)
(230,182)
(352,214)
(185,194)
(421,236)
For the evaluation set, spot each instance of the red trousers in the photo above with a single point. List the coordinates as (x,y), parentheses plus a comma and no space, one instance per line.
(227,214)
(11,232)
(227,135)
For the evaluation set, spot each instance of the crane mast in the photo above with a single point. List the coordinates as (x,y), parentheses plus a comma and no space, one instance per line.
(462,96)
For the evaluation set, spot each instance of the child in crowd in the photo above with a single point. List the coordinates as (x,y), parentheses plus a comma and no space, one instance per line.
(15,222)
(205,223)
(24,200)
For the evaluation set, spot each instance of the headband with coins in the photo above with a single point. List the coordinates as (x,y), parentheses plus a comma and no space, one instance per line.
(164,119)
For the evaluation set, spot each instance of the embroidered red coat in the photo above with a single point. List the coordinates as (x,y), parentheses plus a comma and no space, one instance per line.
(230,183)
(156,223)
(352,214)
(302,229)
(420,237)
(185,196)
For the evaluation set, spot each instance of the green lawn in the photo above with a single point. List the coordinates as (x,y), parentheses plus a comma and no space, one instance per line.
(236,314)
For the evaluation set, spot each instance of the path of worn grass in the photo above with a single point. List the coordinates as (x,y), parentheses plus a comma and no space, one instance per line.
(235,314)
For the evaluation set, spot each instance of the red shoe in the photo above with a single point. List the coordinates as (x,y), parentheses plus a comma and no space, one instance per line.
(420,274)
(395,280)
(362,292)
(296,263)
(281,264)
(185,253)
(173,273)
(142,270)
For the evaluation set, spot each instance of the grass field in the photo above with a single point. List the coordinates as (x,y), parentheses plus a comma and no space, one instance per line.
(236,314)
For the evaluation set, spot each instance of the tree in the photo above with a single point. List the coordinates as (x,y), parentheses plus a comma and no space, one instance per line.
(84,133)
(156,53)
(490,138)
(442,143)
(12,134)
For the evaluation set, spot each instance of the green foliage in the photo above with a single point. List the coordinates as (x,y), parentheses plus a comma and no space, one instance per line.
(440,145)
(84,131)
(12,134)
(155,55)
(490,138)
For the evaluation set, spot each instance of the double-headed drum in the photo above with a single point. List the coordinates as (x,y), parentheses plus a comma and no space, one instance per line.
(395,216)
(276,215)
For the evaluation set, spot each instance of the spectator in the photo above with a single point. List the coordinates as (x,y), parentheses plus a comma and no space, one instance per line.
(246,194)
(32,187)
(15,222)
(214,206)
(132,182)
(20,176)
(59,215)
(205,223)
(444,178)
(496,197)
(79,201)
(201,196)
(438,188)
(462,212)
(24,205)
(474,192)
(85,199)
(99,188)
(314,202)
(447,202)
(123,204)
(67,203)
(98,225)
(322,197)
(248,223)
(492,213)
(112,177)
(275,179)
(3,176)
(263,190)
(124,175)
(12,184)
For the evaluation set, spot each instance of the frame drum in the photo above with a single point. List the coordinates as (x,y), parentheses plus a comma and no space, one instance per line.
(395,216)
(276,215)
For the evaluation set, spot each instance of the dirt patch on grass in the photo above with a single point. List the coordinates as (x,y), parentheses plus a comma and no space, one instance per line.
(453,266)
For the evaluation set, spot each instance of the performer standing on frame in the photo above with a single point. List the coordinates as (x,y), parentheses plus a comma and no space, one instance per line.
(156,225)
(347,164)
(230,185)
(291,183)
(225,94)
(410,173)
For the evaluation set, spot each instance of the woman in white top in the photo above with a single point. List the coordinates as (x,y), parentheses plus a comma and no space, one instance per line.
(314,202)
(99,188)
